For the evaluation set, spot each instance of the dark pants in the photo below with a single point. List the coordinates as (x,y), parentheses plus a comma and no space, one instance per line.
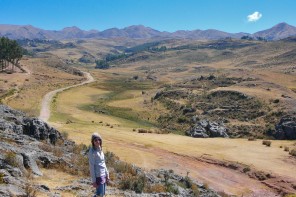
(101,190)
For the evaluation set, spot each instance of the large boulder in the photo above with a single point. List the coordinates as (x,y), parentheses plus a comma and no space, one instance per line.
(205,129)
(285,129)
(40,130)
(16,121)
(11,119)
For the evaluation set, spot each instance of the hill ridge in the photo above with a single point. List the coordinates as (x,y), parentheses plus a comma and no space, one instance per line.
(279,31)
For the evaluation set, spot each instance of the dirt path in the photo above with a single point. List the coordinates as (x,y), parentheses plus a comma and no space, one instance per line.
(45,105)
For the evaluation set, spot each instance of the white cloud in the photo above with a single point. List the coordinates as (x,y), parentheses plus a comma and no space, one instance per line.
(254,17)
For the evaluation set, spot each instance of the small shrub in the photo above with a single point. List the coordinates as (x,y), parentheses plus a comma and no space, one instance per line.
(79,166)
(182,119)
(188,182)
(223,194)
(195,190)
(58,152)
(251,139)
(157,188)
(140,183)
(143,131)
(261,176)
(135,183)
(2,178)
(65,135)
(10,159)
(79,148)
(110,158)
(293,152)
(276,101)
(30,190)
(126,182)
(246,169)
(286,148)
(266,142)
(168,185)
(122,167)
(206,186)
(45,147)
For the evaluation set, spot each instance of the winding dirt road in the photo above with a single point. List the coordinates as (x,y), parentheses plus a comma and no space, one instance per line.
(45,105)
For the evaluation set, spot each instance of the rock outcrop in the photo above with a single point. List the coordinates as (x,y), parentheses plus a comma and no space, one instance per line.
(205,129)
(285,129)
(20,149)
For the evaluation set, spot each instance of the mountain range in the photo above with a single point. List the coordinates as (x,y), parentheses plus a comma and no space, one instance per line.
(279,31)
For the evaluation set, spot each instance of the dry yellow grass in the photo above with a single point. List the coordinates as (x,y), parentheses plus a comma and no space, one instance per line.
(119,137)
(53,179)
(33,86)
(170,151)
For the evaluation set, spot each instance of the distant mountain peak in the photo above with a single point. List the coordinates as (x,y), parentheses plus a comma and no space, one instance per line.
(279,31)
(73,28)
(282,26)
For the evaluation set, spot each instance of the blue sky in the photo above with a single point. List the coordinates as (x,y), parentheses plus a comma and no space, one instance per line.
(231,16)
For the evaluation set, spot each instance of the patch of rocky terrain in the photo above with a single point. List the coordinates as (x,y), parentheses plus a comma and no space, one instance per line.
(234,112)
(205,129)
(28,144)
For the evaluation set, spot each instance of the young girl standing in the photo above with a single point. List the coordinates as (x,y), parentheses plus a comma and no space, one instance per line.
(97,166)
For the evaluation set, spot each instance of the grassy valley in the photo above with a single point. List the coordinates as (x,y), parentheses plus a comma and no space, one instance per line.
(156,90)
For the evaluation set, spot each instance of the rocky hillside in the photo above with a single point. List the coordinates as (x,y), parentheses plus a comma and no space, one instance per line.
(29,145)
(209,113)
